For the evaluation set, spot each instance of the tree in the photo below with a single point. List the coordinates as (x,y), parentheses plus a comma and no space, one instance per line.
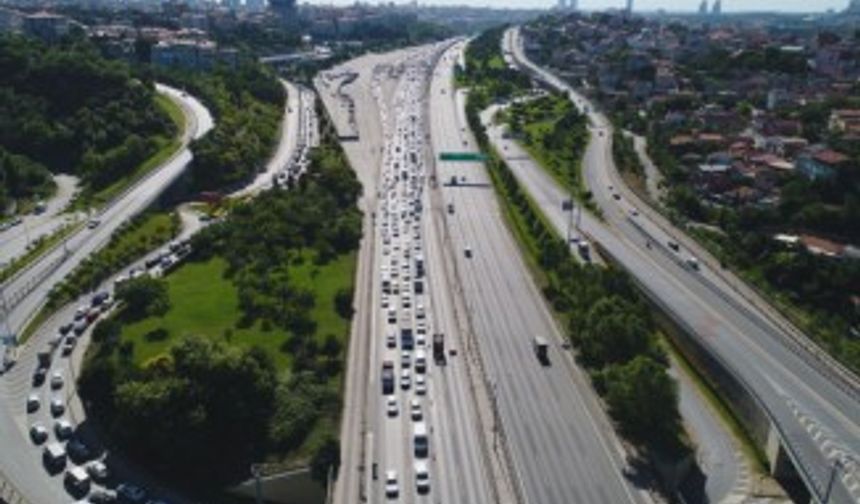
(614,333)
(325,459)
(643,399)
(144,297)
(343,303)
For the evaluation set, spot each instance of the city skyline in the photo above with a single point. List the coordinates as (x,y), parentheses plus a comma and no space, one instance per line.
(794,6)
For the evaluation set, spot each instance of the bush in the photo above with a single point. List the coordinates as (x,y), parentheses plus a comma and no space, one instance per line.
(343,303)
(144,297)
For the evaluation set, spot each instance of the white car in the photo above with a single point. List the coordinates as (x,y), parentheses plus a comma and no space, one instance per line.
(392,489)
(415,410)
(405,360)
(58,407)
(391,340)
(57,380)
(33,403)
(420,384)
(391,407)
(405,379)
(422,477)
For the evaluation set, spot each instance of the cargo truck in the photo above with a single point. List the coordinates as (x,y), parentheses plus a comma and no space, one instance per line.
(541,347)
(439,348)
(387,377)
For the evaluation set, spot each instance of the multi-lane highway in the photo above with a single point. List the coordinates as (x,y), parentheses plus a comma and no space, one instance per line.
(815,411)
(407,298)
(562,448)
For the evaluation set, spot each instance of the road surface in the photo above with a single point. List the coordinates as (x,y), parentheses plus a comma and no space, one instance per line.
(562,446)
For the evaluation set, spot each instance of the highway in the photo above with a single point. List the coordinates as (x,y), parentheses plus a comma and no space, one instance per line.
(816,411)
(17,238)
(562,447)
(390,157)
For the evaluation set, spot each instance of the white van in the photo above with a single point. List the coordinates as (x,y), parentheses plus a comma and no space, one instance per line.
(78,479)
(422,442)
(420,360)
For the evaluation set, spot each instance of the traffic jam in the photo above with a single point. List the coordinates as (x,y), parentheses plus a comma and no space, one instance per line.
(406,340)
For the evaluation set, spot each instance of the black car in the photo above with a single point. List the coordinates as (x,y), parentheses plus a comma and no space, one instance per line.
(39,376)
(77,450)
(65,328)
(131,494)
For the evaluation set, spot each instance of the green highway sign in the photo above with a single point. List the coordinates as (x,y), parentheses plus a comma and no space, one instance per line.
(462,156)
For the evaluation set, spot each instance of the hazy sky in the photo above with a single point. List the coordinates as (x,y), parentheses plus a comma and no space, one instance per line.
(674,5)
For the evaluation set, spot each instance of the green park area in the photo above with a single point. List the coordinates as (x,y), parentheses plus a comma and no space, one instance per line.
(203,302)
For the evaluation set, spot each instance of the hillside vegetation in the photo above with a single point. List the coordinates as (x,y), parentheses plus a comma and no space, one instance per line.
(66,109)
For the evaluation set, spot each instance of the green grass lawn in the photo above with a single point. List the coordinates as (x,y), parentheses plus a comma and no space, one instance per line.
(205,303)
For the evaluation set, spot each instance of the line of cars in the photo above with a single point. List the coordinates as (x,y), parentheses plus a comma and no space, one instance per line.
(307,138)
(68,452)
(403,280)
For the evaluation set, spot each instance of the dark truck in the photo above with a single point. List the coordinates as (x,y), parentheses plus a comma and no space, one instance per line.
(387,377)
(439,348)
(407,338)
(541,347)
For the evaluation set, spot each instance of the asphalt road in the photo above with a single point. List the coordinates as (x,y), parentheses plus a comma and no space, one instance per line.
(817,414)
(18,238)
(562,446)
(388,91)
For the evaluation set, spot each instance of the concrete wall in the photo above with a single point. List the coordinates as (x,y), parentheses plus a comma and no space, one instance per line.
(293,487)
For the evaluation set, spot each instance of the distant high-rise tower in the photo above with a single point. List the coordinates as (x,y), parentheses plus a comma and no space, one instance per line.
(629,6)
(562,4)
(703,7)
(574,4)
(853,7)
(718,8)
(284,9)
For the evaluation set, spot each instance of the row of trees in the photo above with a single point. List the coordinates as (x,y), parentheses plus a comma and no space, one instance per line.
(555,133)
(606,317)
(66,109)
(219,406)
(247,104)
(130,242)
